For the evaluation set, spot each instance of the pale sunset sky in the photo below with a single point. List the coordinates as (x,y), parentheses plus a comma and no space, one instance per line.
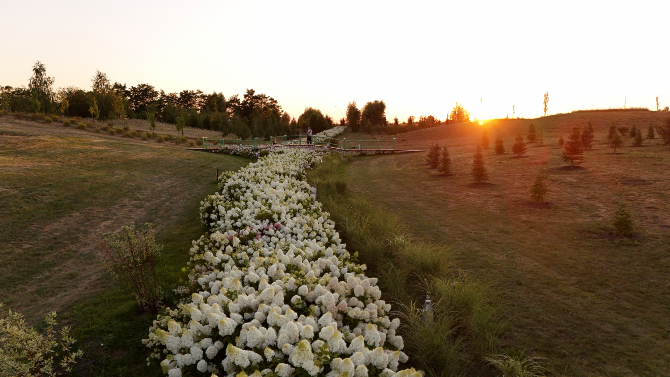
(419,57)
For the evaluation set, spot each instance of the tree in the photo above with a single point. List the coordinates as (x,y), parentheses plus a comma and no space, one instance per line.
(485,139)
(41,88)
(633,131)
(151,117)
(546,103)
(531,136)
(445,162)
(638,139)
(539,189)
(622,221)
(658,104)
(561,142)
(94,110)
(519,147)
(459,114)
(650,132)
(615,142)
(314,119)
(433,158)
(180,125)
(410,122)
(109,103)
(612,130)
(353,116)
(573,150)
(664,132)
(587,136)
(478,169)
(499,148)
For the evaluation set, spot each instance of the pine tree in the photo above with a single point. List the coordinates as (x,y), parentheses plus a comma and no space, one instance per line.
(611,132)
(615,142)
(499,148)
(638,139)
(561,142)
(532,135)
(478,169)
(664,132)
(633,132)
(587,136)
(623,221)
(445,162)
(519,147)
(433,156)
(485,139)
(650,132)
(539,189)
(573,150)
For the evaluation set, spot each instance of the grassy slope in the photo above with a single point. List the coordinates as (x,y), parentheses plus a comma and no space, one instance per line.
(59,188)
(592,306)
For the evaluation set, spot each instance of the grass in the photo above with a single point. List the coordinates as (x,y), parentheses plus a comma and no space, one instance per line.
(60,187)
(591,306)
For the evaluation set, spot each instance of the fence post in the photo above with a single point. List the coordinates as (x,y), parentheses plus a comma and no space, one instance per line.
(393,143)
(204,143)
(255,143)
(377,144)
(344,143)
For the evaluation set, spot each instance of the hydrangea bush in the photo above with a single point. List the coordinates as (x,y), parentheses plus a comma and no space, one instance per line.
(277,293)
(332,132)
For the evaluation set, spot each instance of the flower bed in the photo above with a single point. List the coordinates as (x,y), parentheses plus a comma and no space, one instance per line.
(277,294)
(331,132)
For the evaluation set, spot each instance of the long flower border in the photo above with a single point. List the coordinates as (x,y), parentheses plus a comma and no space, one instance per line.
(278,294)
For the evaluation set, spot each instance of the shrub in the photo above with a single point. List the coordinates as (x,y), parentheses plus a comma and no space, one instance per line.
(539,189)
(499,148)
(67,123)
(145,136)
(478,169)
(519,147)
(3,112)
(119,131)
(128,133)
(26,352)
(131,257)
(191,143)
(181,140)
(81,126)
(111,131)
(56,118)
(36,117)
(518,365)
(622,221)
(48,120)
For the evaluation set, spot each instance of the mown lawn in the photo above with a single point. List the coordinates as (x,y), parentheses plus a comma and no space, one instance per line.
(592,306)
(60,187)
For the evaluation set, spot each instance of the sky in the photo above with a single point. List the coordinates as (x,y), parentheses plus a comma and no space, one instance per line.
(419,57)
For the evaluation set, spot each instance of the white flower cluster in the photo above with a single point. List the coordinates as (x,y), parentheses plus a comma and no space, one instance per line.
(331,132)
(236,150)
(277,293)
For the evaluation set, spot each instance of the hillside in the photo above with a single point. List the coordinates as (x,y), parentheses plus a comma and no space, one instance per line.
(592,306)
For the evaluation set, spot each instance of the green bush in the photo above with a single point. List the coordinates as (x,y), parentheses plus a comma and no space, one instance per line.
(48,120)
(81,126)
(622,221)
(119,131)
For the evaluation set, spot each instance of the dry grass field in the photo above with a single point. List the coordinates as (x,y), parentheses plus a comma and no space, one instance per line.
(592,306)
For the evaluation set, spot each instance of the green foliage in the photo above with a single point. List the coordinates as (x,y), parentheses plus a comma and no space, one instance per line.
(94,110)
(615,142)
(573,150)
(25,352)
(180,125)
(485,139)
(151,117)
(519,147)
(445,162)
(433,158)
(622,221)
(650,132)
(664,132)
(587,136)
(314,119)
(518,365)
(479,173)
(41,87)
(131,257)
(638,139)
(611,132)
(459,114)
(499,147)
(531,136)
(375,113)
(538,190)
(633,131)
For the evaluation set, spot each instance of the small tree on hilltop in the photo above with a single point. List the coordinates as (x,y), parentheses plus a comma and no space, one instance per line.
(499,147)
(485,139)
(546,103)
(615,142)
(478,169)
(650,132)
(538,190)
(561,142)
(519,147)
(638,139)
(622,222)
(433,157)
(587,137)
(573,150)
(532,135)
(445,162)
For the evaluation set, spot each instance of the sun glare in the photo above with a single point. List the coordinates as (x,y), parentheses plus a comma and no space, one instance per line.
(481,122)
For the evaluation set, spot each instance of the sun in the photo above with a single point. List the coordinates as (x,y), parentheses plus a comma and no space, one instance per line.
(481,122)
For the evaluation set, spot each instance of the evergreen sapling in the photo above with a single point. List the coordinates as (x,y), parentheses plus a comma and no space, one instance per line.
(532,135)
(623,221)
(638,139)
(478,169)
(433,158)
(538,190)
(445,162)
(650,132)
(519,147)
(499,148)
(485,139)
(587,137)
(573,150)
(615,142)
(561,142)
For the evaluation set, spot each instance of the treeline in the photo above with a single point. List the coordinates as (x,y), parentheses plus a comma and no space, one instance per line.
(372,119)
(253,115)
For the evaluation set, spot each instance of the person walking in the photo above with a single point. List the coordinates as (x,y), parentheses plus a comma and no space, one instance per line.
(309,135)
